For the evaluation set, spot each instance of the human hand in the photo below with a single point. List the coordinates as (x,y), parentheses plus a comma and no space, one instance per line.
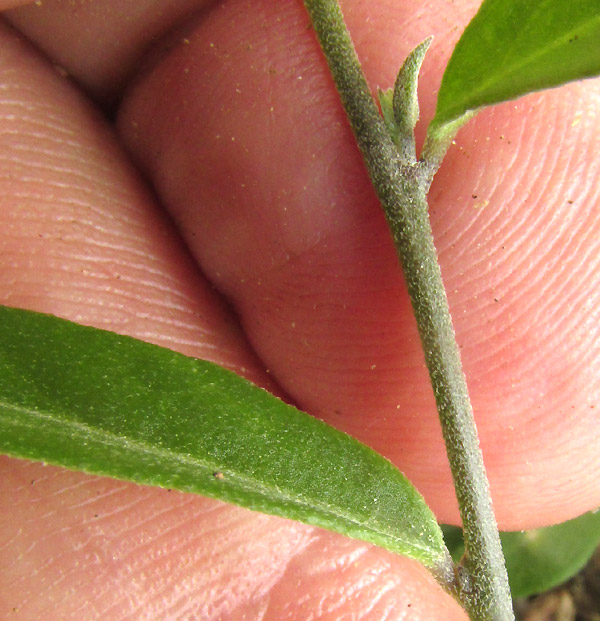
(235,122)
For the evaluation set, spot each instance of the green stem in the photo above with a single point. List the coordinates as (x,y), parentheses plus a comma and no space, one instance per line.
(482,584)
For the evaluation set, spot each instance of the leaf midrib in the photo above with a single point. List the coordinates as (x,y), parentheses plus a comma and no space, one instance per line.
(513,67)
(108,438)
(538,53)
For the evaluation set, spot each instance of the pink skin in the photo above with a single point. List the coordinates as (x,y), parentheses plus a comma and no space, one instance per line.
(236,123)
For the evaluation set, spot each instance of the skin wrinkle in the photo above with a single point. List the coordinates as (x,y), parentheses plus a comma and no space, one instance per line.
(157,299)
(379,601)
(265,586)
(81,186)
(542,278)
(157,309)
(382,575)
(190,544)
(24,108)
(139,569)
(526,310)
(464,238)
(21,112)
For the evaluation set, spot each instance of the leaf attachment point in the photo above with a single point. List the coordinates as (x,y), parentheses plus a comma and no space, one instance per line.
(539,560)
(438,140)
(400,105)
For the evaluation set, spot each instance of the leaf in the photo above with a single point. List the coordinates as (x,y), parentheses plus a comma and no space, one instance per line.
(513,47)
(106,404)
(541,559)
(538,560)
(400,105)
(386,101)
(453,536)
(405,101)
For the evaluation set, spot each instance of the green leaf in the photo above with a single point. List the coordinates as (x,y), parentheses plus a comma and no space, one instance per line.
(386,101)
(95,401)
(453,536)
(538,560)
(513,47)
(400,105)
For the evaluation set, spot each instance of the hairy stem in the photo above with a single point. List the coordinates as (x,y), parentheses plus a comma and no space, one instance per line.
(482,584)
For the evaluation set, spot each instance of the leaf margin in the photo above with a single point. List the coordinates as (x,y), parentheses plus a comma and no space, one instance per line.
(218,479)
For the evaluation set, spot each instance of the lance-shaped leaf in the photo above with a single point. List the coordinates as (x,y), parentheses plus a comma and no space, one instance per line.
(400,105)
(95,401)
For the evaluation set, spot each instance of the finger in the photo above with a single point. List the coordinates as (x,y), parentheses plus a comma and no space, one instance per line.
(243,134)
(87,547)
(99,44)
(10,4)
(81,237)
